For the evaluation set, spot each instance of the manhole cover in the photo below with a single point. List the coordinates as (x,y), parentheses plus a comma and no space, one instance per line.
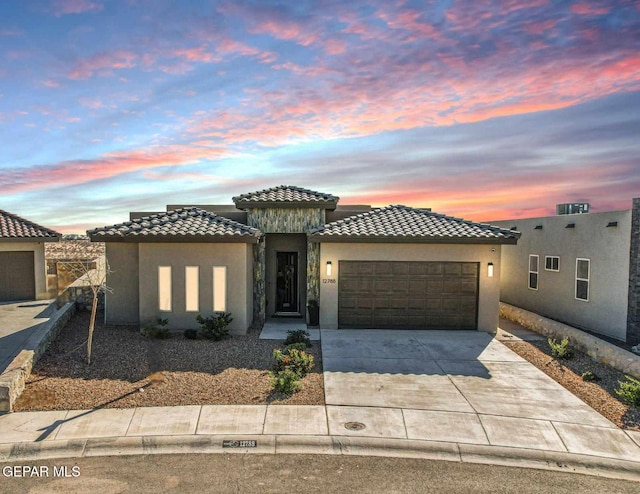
(354,426)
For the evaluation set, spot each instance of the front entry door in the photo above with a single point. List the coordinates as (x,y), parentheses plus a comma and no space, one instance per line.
(287,282)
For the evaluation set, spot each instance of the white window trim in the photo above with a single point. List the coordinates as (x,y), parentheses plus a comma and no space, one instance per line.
(216,308)
(537,273)
(588,280)
(170,309)
(552,257)
(186,289)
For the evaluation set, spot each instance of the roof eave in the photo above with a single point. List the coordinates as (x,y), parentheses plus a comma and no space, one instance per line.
(287,204)
(31,239)
(246,239)
(314,238)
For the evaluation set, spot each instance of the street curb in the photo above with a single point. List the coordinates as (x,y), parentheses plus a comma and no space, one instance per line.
(324,445)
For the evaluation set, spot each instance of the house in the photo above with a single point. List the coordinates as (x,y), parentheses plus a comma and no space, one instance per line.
(274,250)
(22,265)
(580,269)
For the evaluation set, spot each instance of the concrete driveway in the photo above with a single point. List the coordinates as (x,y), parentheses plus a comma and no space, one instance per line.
(458,386)
(19,324)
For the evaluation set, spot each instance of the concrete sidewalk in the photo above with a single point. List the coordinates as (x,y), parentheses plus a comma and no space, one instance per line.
(320,429)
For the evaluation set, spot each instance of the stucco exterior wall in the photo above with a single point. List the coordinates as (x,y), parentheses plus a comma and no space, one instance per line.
(122,302)
(237,257)
(608,250)
(39,266)
(489,288)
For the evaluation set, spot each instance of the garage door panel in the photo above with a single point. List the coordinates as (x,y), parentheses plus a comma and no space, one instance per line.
(17,272)
(408,294)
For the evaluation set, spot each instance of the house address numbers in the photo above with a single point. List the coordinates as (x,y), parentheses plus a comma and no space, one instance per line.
(328,280)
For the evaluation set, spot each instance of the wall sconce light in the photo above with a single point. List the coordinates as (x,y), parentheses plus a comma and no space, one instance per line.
(490,270)
(328,268)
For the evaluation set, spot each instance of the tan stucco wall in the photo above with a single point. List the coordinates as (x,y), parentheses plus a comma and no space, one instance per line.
(489,289)
(121,303)
(39,267)
(237,257)
(608,250)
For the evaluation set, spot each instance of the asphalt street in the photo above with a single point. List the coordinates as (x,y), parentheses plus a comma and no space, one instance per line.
(253,473)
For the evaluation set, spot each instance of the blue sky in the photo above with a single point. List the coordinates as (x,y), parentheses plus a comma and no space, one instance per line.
(484,110)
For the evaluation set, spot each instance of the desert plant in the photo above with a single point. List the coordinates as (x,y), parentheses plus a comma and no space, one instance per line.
(297,336)
(214,327)
(157,330)
(285,381)
(298,361)
(629,391)
(302,346)
(589,376)
(562,349)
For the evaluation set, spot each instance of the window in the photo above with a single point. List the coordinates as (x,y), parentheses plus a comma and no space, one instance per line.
(552,263)
(219,288)
(191,287)
(164,288)
(583,272)
(533,271)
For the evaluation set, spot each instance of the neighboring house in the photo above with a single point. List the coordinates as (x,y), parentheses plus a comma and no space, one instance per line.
(580,269)
(22,266)
(276,249)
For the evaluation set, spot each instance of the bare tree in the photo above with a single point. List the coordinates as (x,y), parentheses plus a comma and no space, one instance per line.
(87,274)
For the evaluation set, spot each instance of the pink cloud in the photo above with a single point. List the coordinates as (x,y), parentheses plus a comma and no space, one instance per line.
(197,54)
(65,7)
(103,63)
(586,8)
(91,103)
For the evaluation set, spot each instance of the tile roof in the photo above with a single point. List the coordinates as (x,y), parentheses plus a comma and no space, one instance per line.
(14,227)
(287,194)
(190,223)
(404,224)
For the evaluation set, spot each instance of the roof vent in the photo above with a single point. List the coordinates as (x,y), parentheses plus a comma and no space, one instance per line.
(570,225)
(538,227)
(612,223)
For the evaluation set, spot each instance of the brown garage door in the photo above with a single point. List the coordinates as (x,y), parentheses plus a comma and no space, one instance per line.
(404,294)
(17,280)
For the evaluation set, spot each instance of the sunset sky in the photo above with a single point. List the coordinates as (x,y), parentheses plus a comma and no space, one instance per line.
(480,109)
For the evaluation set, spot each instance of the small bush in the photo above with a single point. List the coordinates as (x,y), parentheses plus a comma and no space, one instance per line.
(214,327)
(297,361)
(629,391)
(285,381)
(302,346)
(298,336)
(589,376)
(157,330)
(190,334)
(562,349)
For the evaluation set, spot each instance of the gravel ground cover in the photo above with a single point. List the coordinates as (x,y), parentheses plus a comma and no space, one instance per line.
(599,395)
(129,370)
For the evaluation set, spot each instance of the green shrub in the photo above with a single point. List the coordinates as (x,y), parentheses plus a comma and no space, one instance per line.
(589,376)
(157,330)
(214,327)
(562,349)
(302,346)
(298,361)
(298,336)
(285,381)
(629,391)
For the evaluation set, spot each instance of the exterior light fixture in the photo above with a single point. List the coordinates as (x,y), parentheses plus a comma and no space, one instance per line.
(328,268)
(490,270)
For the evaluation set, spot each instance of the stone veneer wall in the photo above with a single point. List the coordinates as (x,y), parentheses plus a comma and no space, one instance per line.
(285,220)
(633,312)
(259,307)
(313,271)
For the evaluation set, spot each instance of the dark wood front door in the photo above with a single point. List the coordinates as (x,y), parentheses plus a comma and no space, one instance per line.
(287,282)
(405,294)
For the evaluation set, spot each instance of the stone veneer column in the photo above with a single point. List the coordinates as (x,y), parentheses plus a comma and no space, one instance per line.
(633,314)
(313,271)
(259,299)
